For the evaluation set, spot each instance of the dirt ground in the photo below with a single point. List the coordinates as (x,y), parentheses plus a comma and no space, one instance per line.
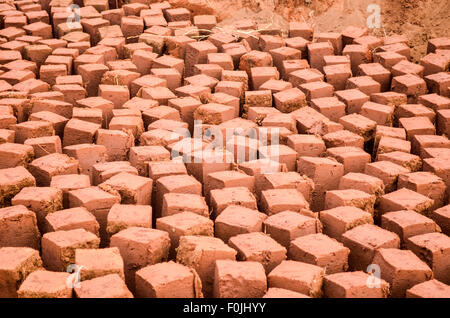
(419,20)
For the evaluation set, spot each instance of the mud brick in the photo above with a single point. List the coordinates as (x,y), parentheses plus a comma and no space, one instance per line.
(58,248)
(287,180)
(439,83)
(41,29)
(13,155)
(132,189)
(51,95)
(118,94)
(429,289)
(87,155)
(69,182)
(336,60)
(255,59)
(196,53)
(201,253)
(182,183)
(442,217)
(176,46)
(405,67)
(72,92)
(202,80)
(227,179)
(384,131)
(132,27)
(268,42)
(92,26)
(19,227)
(332,37)
(343,138)
(353,32)
(46,284)
(443,122)
(434,249)
(388,144)
(257,114)
(16,76)
(87,114)
(354,159)
(164,280)
(81,46)
(411,85)
(44,145)
(78,131)
(86,58)
(350,197)
(306,145)
(11,33)
(158,169)
(331,107)
(48,73)
(99,262)
(247,278)
(121,65)
(417,126)
(92,75)
(316,52)
(434,63)
(128,123)
(407,160)
(317,89)
(360,125)
(274,201)
(372,42)
(94,288)
(281,153)
(337,221)
(174,203)
(6,120)
(442,43)
(381,114)
(377,72)
(318,249)
(318,170)
(160,112)
(401,269)
(17,263)
(103,171)
(224,60)
(146,81)
(251,246)
(260,75)
(300,277)
(174,126)
(182,224)
(420,142)
(6,135)
(140,247)
(286,226)
(399,48)
(71,219)
(439,166)
(97,103)
(18,21)
(50,165)
(235,220)
(337,75)
(386,171)
(276,86)
(415,110)
(363,242)
(407,224)
(32,129)
(172,76)
(389,59)
(213,113)
(359,55)
(32,86)
(300,29)
(66,52)
(436,152)
(36,16)
(212,70)
(109,53)
(37,53)
(222,198)
(354,285)
(11,51)
(140,156)
(192,91)
(113,16)
(13,180)
(207,22)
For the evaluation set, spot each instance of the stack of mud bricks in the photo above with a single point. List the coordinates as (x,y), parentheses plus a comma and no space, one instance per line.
(116,157)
